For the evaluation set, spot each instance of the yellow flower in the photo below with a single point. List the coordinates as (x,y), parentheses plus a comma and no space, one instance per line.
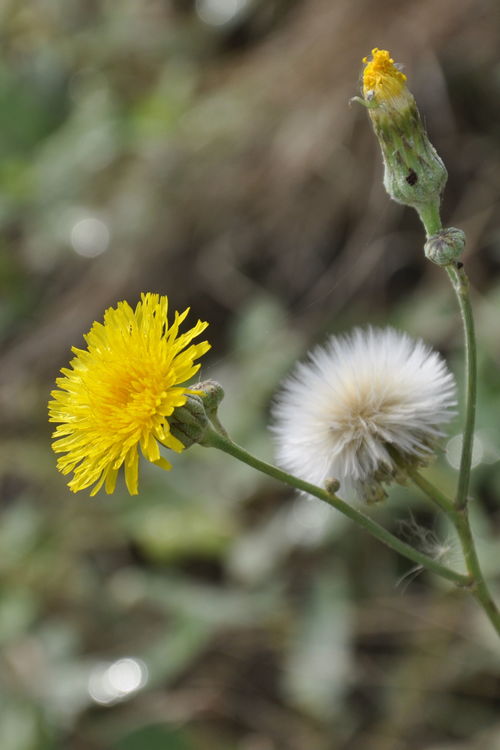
(120,391)
(381,77)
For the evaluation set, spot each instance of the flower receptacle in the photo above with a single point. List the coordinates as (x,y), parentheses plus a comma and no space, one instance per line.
(191,423)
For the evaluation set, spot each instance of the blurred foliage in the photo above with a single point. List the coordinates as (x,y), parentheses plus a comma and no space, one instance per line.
(206,149)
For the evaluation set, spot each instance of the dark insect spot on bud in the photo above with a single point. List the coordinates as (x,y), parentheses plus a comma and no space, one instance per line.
(412,178)
(459,265)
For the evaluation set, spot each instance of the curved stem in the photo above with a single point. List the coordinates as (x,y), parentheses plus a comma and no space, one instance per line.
(216,440)
(460,520)
(461,287)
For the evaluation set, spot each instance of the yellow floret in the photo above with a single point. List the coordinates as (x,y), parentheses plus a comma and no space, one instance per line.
(381,77)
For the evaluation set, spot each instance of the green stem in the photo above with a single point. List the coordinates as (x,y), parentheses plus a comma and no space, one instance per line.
(216,440)
(460,520)
(479,589)
(435,495)
(431,220)
(461,287)
(457,511)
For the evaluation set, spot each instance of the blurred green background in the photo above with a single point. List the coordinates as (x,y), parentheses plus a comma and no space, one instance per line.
(206,149)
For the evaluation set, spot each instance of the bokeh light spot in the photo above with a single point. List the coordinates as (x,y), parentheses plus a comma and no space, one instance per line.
(454,450)
(90,237)
(218,12)
(110,683)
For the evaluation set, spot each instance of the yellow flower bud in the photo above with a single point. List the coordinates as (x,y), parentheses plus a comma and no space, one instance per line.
(414,174)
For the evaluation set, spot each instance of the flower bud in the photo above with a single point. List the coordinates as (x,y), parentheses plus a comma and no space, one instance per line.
(446,246)
(414,174)
(189,422)
(211,393)
(332,485)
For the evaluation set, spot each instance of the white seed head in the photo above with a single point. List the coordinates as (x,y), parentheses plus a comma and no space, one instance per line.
(361,409)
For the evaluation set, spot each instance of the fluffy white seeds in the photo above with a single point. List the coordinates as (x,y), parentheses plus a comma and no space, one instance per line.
(363,408)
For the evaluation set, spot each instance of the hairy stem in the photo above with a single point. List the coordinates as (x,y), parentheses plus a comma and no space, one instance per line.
(430,218)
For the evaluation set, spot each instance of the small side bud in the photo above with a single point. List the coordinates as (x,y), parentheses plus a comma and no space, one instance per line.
(414,174)
(332,485)
(446,246)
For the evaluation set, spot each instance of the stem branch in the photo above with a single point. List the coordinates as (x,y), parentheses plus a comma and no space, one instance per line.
(460,519)
(216,440)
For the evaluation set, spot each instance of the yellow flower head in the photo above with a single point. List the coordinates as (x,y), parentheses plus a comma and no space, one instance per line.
(381,77)
(118,393)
